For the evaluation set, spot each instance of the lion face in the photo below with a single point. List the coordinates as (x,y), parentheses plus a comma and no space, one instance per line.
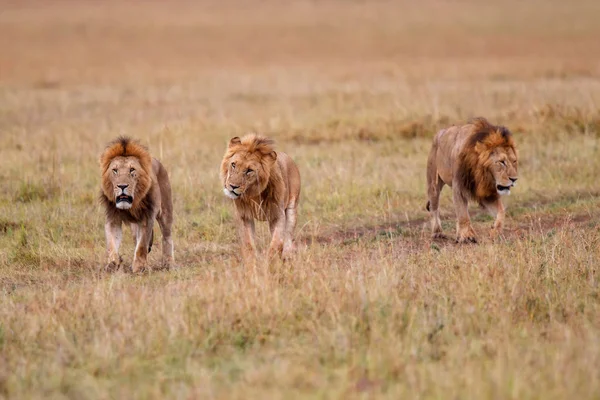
(503,166)
(242,177)
(246,167)
(124,175)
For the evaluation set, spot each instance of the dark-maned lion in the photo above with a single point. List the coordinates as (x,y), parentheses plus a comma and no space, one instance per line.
(479,161)
(264,184)
(135,190)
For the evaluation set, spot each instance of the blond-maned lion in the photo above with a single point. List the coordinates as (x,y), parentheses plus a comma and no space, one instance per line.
(135,190)
(264,184)
(479,161)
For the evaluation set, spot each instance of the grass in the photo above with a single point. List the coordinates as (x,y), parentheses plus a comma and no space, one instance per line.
(370,307)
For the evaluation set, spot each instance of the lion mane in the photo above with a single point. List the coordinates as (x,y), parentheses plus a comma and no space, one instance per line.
(270,179)
(474,160)
(142,203)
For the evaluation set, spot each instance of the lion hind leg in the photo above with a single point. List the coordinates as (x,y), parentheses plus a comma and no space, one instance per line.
(464,230)
(434,190)
(166,224)
(278,236)
(151,241)
(143,244)
(290,225)
(135,233)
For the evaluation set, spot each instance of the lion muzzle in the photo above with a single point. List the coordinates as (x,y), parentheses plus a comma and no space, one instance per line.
(232,194)
(232,191)
(504,190)
(123,200)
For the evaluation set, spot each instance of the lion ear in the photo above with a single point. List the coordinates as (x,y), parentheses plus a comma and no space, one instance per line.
(234,141)
(271,157)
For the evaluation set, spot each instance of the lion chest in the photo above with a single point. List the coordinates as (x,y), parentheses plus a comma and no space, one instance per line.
(259,211)
(255,208)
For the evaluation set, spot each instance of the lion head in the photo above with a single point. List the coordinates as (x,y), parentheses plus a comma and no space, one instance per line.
(126,167)
(246,166)
(488,163)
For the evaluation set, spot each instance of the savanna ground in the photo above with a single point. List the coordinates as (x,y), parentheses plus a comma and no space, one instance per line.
(354,91)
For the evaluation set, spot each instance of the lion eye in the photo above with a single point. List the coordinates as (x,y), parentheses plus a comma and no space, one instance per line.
(249,171)
(503,163)
(232,165)
(115,171)
(131,170)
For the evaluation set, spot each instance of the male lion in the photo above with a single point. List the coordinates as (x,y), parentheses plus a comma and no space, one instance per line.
(264,184)
(135,190)
(479,162)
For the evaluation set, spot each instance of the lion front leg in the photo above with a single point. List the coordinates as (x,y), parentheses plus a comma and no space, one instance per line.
(144,236)
(246,233)
(464,230)
(114,234)
(497,210)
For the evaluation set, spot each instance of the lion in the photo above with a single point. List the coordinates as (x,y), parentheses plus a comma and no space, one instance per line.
(264,184)
(479,162)
(135,190)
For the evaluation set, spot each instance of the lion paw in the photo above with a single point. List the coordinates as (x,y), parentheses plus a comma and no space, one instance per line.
(466,239)
(113,265)
(466,234)
(289,251)
(138,267)
(438,235)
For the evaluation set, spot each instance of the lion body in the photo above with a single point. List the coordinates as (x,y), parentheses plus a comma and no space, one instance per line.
(135,190)
(264,184)
(479,162)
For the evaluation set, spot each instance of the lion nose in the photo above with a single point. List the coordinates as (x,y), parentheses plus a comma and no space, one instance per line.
(233,187)
(513,180)
(122,187)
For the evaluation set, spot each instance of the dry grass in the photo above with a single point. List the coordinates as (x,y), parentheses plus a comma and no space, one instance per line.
(353,91)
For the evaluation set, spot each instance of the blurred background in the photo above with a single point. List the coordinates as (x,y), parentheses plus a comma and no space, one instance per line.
(53,43)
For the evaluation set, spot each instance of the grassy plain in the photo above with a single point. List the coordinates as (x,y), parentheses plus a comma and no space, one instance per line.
(353,91)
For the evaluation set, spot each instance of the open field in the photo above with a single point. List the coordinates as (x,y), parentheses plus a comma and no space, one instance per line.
(353,91)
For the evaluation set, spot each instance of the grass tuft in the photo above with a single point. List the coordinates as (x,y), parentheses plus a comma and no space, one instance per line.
(28,192)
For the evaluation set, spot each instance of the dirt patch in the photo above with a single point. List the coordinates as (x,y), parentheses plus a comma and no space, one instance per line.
(418,229)
(370,232)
